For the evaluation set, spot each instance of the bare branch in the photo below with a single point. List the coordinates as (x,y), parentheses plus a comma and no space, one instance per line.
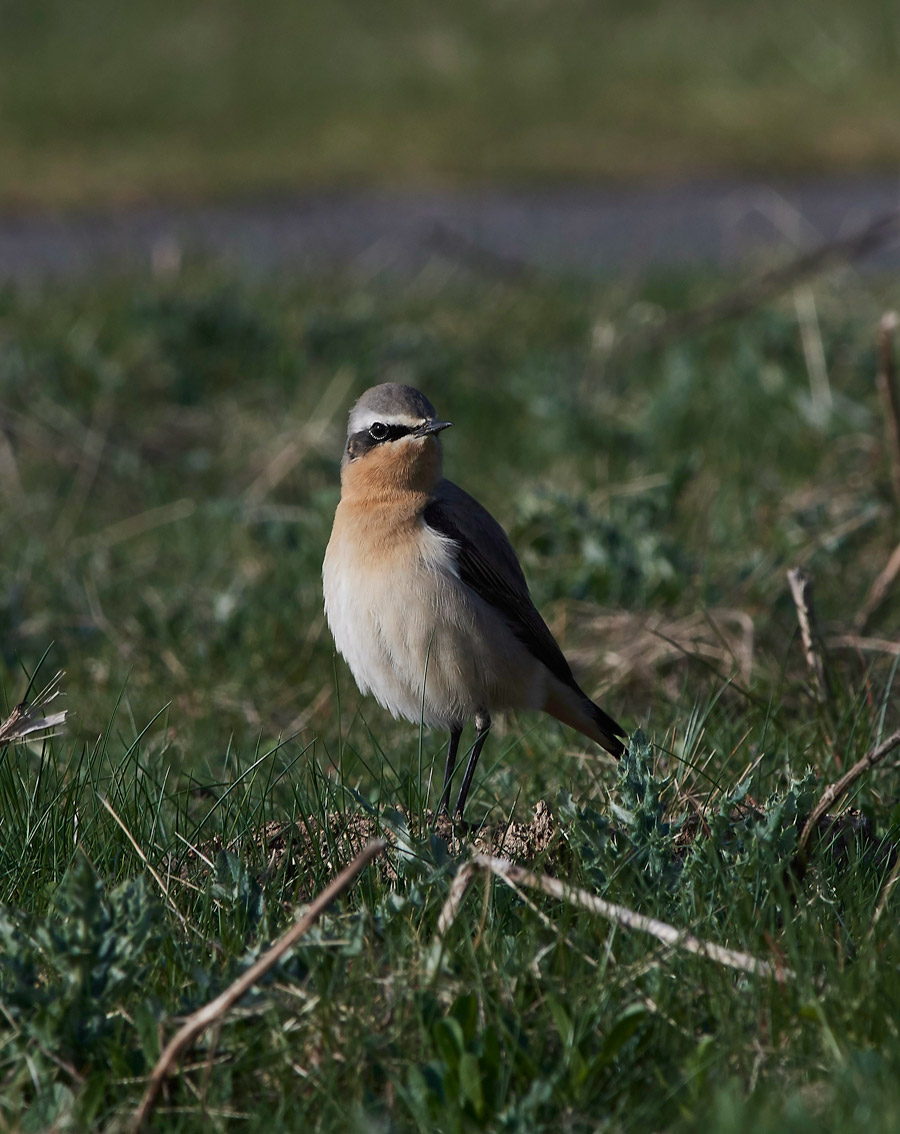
(514,875)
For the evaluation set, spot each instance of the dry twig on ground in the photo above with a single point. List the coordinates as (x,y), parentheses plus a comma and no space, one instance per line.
(832,794)
(514,875)
(199,1021)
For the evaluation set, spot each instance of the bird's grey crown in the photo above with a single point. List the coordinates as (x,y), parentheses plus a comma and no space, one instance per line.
(392,403)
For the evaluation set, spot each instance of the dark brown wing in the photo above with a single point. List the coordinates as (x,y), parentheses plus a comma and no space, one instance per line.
(488,565)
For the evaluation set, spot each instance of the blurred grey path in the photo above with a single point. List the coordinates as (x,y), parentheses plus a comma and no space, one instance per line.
(369,233)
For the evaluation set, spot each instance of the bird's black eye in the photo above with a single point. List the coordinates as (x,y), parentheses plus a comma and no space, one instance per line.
(378,431)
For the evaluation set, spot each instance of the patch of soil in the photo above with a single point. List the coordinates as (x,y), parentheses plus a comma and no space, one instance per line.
(307,853)
(522,842)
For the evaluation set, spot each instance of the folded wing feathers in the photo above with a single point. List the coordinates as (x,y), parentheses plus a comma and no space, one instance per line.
(487,563)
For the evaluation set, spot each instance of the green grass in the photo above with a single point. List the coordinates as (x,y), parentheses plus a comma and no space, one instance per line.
(168,460)
(102,101)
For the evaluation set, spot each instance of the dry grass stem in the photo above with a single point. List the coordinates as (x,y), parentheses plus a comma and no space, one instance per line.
(863,644)
(813,349)
(800,583)
(25,719)
(199,1021)
(140,853)
(878,591)
(289,454)
(832,794)
(511,873)
(886,891)
(458,890)
(135,526)
(636,647)
(845,250)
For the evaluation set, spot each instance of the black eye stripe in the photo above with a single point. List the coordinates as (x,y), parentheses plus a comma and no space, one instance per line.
(380,432)
(363,441)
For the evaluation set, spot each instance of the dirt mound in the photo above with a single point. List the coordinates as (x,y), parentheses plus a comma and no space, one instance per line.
(522,842)
(308,850)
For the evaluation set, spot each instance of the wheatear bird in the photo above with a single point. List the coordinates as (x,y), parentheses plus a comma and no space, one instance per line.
(425,597)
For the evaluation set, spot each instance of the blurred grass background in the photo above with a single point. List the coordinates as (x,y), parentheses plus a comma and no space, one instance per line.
(108,102)
(171,471)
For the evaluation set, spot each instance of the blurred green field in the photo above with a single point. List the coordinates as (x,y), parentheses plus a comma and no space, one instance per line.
(169,466)
(172,449)
(105,102)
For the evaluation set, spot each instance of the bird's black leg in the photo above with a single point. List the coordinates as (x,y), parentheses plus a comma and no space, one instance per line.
(449,768)
(482,728)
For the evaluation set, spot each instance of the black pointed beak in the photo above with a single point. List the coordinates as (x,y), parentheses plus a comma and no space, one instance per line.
(432,427)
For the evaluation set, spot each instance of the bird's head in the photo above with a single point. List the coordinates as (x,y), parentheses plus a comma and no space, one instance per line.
(393,441)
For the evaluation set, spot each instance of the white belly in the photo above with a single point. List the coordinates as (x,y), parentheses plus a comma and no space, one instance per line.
(419,640)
